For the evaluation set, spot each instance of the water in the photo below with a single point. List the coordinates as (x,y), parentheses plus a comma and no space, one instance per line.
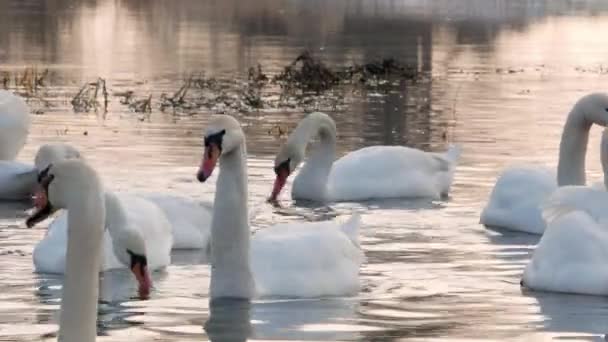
(500,77)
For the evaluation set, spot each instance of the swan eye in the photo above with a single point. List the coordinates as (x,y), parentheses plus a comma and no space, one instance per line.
(215,138)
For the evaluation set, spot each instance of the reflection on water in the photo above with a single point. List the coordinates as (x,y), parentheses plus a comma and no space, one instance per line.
(499,78)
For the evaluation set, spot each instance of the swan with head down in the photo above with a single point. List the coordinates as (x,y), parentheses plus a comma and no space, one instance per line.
(516,200)
(138,234)
(289,260)
(74,186)
(368,173)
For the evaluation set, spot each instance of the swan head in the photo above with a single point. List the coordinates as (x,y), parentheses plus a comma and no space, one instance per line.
(222,136)
(595,108)
(128,244)
(52,153)
(132,252)
(287,160)
(60,186)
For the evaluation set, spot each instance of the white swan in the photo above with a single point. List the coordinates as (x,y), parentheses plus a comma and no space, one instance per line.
(138,236)
(515,201)
(14,128)
(291,260)
(18,180)
(189,219)
(371,172)
(74,186)
(14,124)
(571,255)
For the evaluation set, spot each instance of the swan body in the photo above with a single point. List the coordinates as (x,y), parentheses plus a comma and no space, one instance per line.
(289,260)
(298,272)
(133,223)
(74,186)
(17,180)
(391,171)
(516,200)
(14,124)
(368,173)
(14,128)
(572,253)
(190,220)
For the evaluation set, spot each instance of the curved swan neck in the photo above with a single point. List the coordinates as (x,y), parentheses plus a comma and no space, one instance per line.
(116,213)
(573,148)
(311,182)
(604,156)
(230,269)
(78,321)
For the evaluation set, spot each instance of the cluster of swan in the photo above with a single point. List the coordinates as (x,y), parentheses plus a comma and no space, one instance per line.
(101,230)
(571,216)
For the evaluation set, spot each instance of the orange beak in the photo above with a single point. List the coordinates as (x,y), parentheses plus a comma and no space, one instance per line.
(210,157)
(143,278)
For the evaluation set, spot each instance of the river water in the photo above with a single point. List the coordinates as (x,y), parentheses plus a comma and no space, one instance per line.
(499,78)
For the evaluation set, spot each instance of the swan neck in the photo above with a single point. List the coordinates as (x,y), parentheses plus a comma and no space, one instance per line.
(573,149)
(78,320)
(311,182)
(604,156)
(230,269)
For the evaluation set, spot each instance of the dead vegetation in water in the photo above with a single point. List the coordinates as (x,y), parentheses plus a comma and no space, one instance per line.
(87,98)
(29,83)
(307,83)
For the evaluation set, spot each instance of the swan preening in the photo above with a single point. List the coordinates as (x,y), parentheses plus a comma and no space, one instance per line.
(291,260)
(368,173)
(74,186)
(516,200)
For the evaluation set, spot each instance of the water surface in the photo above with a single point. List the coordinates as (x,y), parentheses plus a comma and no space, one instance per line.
(498,78)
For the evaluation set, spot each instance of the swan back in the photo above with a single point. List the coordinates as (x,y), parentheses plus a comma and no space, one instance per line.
(14,124)
(285,265)
(571,256)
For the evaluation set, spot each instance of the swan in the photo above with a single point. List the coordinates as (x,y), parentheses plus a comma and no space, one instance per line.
(74,186)
(515,201)
(189,219)
(571,254)
(14,128)
(371,172)
(289,260)
(14,124)
(18,180)
(138,236)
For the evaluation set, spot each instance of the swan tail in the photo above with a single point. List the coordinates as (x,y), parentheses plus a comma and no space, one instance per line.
(453,153)
(351,228)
